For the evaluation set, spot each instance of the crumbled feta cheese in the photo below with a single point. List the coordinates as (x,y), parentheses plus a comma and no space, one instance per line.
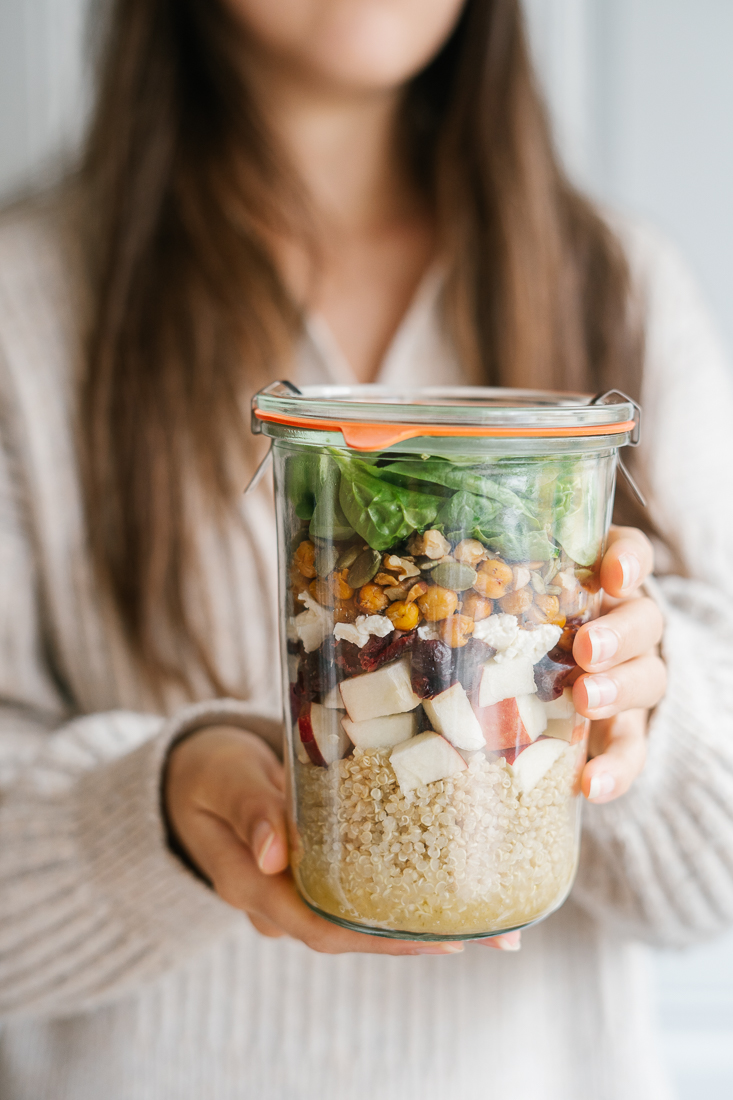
(498,631)
(428,632)
(365,626)
(502,633)
(312,626)
(531,643)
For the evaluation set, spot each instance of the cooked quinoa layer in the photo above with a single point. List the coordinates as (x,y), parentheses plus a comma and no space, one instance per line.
(465,855)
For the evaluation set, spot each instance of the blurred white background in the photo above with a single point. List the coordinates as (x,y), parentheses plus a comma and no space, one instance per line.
(642,96)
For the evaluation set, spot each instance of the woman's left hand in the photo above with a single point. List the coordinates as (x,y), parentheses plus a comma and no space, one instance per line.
(625,674)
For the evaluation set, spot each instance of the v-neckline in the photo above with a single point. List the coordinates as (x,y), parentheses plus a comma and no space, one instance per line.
(334,360)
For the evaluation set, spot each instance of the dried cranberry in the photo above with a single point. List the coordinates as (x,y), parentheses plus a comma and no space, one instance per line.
(379,651)
(431,667)
(467,663)
(554,673)
(345,656)
(299,698)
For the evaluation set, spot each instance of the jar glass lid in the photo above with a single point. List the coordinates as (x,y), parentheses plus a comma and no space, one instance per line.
(373,417)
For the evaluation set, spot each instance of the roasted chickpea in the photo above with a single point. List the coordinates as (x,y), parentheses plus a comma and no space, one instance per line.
(438,603)
(549,606)
(516,603)
(372,599)
(304,558)
(538,618)
(495,577)
(329,590)
(476,607)
(403,616)
(298,583)
(456,630)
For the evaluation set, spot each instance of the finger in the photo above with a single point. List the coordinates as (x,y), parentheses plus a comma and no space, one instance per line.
(265,927)
(610,774)
(640,682)
(248,796)
(275,900)
(629,630)
(283,905)
(628,561)
(507,941)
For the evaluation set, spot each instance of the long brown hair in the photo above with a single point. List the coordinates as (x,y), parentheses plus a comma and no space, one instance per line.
(190,315)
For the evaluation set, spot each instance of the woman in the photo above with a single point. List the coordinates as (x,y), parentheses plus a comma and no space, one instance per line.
(324,189)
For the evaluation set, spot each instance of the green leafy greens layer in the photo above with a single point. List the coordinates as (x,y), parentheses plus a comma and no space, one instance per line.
(553,502)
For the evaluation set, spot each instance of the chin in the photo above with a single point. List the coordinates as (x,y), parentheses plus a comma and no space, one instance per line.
(357,45)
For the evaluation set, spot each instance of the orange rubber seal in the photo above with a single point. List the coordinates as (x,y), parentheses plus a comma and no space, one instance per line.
(360,436)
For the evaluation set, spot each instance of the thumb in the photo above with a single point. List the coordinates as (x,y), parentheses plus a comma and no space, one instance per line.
(256,805)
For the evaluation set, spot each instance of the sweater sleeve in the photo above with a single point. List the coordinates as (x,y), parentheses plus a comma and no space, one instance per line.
(92,902)
(658,862)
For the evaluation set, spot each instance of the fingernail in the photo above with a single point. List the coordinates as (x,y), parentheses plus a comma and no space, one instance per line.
(600,786)
(630,571)
(512,941)
(438,949)
(601,691)
(603,644)
(262,839)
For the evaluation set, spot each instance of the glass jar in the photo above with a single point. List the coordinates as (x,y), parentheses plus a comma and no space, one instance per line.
(439,550)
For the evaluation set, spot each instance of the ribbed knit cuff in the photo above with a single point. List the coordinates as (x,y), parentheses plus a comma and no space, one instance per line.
(123,835)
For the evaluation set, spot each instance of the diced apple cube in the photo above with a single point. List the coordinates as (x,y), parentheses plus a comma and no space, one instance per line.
(562,707)
(506,680)
(381,733)
(332,699)
(534,763)
(451,714)
(300,750)
(376,694)
(561,728)
(533,716)
(502,726)
(425,759)
(322,734)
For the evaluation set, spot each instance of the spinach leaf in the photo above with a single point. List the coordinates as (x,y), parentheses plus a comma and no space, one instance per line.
(445,473)
(520,544)
(312,485)
(381,512)
(465,515)
(580,522)
(504,530)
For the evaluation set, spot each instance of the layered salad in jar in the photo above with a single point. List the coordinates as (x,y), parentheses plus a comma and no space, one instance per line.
(432,605)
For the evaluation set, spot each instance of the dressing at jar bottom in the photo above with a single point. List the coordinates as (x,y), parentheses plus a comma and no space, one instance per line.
(469,855)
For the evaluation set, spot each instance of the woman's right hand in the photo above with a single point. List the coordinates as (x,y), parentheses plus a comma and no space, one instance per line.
(224,795)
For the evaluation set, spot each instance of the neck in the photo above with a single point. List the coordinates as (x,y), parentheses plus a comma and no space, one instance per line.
(343,147)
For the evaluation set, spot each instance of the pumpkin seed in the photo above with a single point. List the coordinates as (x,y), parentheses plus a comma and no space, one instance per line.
(347,557)
(325,560)
(364,568)
(427,565)
(454,575)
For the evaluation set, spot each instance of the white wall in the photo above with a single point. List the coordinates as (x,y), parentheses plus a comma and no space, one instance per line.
(42,84)
(642,92)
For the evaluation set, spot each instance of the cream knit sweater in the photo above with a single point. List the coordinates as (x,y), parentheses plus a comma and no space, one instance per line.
(122,977)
